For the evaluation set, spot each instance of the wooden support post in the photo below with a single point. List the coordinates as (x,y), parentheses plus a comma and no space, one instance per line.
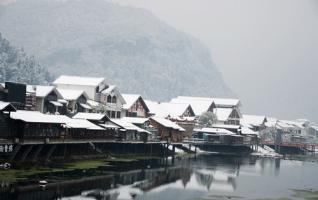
(26,153)
(50,152)
(37,152)
(15,152)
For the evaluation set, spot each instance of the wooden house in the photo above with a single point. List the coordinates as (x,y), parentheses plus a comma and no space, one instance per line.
(33,125)
(255,122)
(167,130)
(134,106)
(131,132)
(5,122)
(198,104)
(47,99)
(113,101)
(76,100)
(229,116)
(91,85)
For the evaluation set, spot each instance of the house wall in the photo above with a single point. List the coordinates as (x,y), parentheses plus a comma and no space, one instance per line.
(39,104)
(167,134)
(137,110)
(5,131)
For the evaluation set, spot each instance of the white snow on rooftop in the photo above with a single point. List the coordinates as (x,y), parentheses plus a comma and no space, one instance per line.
(167,123)
(215,131)
(43,91)
(198,105)
(223,114)
(130,100)
(129,126)
(109,89)
(78,80)
(219,102)
(174,109)
(247,131)
(90,116)
(37,117)
(154,108)
(71,95)
(4,105)
(255,120)
(135,120)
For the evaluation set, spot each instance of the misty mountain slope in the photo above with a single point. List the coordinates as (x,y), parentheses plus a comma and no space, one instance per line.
(128,46)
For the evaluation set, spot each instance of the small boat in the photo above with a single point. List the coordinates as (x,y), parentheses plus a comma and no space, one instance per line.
(5,166)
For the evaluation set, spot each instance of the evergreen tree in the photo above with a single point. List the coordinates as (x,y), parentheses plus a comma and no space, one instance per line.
(17,66)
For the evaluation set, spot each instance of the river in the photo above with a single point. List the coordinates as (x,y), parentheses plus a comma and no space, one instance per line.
(205,177)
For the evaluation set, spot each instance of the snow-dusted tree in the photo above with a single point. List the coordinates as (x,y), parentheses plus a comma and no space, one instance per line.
(16,66)
(207,119)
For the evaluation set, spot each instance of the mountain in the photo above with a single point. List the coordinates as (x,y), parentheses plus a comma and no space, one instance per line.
(129,46)
(16,66)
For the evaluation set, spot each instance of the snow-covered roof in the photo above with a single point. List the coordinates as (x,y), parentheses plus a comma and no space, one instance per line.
(43,91)
(154,108)
(225,102)
(255,120)
(223,114)
(109,125)
(78,80)
(175,109)
(135,120)
(167,123)
(31,88)
(4,105)
(90,116)
(291,124)
(82,124)
(129,126)
(109,89)
(215,131)
(2,85)
(130,100)
(219,102)
(247,131)
(37,117)
(72,95)
(199,105)
(226,126)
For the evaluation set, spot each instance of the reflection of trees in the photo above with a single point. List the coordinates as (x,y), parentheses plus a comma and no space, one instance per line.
(211,178)
(204,179)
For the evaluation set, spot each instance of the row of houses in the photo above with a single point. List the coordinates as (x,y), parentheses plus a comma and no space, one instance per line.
(76,107)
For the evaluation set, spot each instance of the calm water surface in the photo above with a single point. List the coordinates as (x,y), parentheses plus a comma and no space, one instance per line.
(203,177)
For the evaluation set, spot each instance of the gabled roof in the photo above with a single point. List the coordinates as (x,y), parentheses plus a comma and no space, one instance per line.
(247,131)
(254,120)
(71,95)
(223,114)
(167,123)
(91,116)
(6,106)
(199,105)
(128,126)
(114,89)
(37,117)
(135,120)
(155,109)
(219,131)
(176,109)
(219,102)
(78,80)
(43,91)
(130,100)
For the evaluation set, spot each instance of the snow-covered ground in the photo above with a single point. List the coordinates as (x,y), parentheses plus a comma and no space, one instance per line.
(266,151)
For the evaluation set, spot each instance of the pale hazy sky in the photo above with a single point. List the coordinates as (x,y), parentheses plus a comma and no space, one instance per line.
(267,50)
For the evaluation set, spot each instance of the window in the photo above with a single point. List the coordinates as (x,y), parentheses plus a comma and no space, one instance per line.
(118,114)
(114,100)
(109,99)
(113,114)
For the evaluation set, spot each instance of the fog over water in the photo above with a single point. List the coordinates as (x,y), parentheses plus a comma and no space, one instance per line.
(267,50)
